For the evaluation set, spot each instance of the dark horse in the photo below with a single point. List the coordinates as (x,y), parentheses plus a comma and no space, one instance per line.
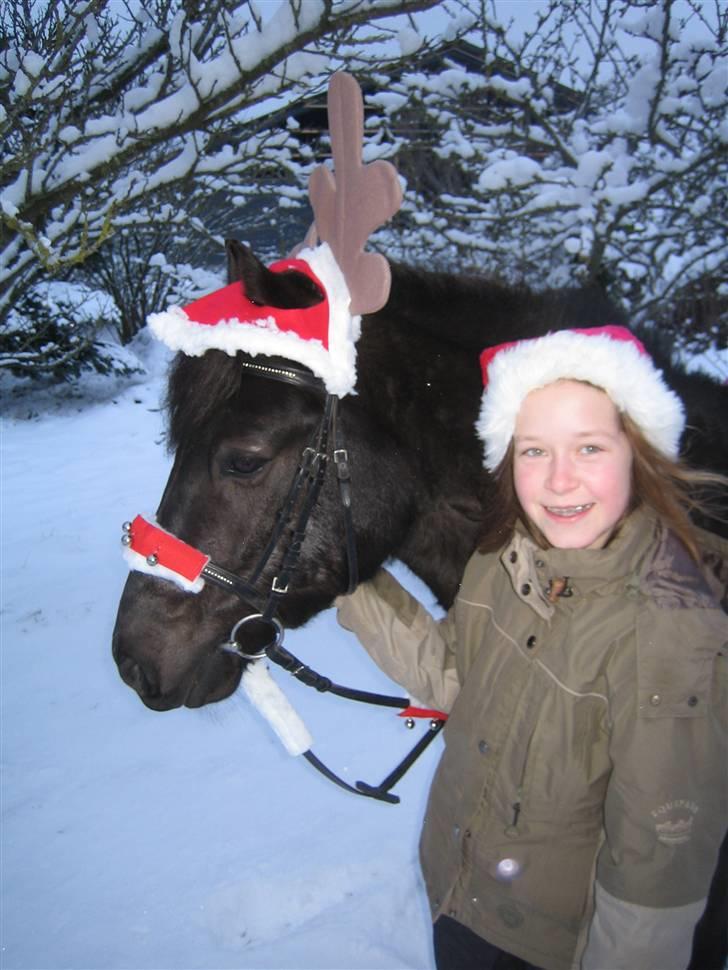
(419,489)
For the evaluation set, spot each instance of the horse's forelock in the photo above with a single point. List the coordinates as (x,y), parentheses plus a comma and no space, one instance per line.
(197,389)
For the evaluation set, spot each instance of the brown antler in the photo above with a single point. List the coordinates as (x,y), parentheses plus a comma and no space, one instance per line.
(351,204)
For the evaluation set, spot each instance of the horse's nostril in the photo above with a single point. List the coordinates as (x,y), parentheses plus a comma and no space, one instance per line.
(133,674)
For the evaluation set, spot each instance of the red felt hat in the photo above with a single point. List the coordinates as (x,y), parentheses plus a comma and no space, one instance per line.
(321,337)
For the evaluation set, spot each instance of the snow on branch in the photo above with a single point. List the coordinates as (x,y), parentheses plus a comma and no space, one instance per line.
(103,105)
(585,143)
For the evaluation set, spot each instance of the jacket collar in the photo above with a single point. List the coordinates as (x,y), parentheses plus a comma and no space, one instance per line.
(531,569)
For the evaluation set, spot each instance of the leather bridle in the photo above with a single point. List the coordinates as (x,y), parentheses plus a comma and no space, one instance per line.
(294,514)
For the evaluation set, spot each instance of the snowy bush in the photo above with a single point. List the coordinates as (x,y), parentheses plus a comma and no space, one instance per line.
(57,332)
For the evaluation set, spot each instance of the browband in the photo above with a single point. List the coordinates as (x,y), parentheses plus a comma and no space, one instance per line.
(288,375)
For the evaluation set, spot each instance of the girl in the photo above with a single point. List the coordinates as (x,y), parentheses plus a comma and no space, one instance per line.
(577,811)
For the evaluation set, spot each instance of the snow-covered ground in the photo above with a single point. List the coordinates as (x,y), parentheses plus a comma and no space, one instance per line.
(189,839)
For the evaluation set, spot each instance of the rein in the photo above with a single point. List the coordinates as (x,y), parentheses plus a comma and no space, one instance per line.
(176,558)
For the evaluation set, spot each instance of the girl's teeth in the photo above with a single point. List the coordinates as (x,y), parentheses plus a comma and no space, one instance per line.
(572,510)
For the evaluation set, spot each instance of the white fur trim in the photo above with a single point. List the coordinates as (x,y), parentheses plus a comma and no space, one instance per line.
(336,366)
(629,377)
(263,692)
(139,564)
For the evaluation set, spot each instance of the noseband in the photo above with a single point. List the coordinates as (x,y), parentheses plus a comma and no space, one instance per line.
(170,557)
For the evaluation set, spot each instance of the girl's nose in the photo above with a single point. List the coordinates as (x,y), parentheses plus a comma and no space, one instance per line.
(561,474)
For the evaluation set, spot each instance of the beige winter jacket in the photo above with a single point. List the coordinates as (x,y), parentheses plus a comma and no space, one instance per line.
(586,752)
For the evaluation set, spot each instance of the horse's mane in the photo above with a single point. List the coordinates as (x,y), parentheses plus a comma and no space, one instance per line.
(474,312)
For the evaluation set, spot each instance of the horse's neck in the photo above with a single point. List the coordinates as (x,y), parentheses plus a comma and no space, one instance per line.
(473,312)
(427,392)
(439,544)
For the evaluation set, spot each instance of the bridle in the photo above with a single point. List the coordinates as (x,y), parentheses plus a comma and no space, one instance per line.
(326,444)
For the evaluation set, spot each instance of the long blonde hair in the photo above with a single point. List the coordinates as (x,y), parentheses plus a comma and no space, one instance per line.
(676,492)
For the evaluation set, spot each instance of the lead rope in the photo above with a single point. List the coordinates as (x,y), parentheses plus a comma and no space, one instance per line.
(309,478)
(316,471)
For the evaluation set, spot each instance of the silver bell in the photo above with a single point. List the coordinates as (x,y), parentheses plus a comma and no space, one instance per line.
(152,559)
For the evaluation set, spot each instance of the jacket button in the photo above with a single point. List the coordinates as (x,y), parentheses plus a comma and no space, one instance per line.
(483,747)
(655,700)
(513,556)
(540,564)
(692,701)
(531,642)
(526,589)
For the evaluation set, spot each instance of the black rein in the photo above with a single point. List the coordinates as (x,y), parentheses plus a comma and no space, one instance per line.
(303,493)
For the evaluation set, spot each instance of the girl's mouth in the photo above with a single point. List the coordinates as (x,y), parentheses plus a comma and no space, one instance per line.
(568,511)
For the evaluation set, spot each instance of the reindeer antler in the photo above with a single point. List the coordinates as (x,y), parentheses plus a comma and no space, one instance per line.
(350,204)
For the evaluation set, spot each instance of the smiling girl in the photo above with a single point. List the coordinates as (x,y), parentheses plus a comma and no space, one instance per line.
(577,811)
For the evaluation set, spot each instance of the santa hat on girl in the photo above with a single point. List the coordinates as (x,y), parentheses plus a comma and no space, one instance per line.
(611,358)
(347,209)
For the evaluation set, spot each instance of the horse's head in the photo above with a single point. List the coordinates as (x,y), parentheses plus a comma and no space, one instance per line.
(240,438)
(243,435)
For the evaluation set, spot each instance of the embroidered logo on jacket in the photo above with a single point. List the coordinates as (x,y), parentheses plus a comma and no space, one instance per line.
(674,821)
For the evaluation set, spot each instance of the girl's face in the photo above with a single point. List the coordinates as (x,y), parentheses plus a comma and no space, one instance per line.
(572,464)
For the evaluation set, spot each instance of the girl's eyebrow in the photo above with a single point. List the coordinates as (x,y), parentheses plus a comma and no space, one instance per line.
(579,434)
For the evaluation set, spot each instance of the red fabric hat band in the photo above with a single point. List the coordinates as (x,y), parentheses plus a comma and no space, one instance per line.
(148,540)
(231,303)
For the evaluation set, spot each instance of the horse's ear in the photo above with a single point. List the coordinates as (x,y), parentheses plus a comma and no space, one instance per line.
(260,285)
(240,261)
(357,199)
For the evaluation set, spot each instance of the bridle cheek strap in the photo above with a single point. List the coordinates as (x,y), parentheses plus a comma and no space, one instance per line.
(150,549)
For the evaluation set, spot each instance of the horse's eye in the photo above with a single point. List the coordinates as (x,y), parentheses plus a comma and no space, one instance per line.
(241,465)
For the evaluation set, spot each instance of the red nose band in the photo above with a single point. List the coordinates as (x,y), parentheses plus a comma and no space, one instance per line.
(149,549)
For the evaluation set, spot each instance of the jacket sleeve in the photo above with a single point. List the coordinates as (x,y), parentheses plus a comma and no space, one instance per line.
(403,639)
(667,800)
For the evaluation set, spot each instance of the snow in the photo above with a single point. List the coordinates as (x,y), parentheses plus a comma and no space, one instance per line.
(188,839)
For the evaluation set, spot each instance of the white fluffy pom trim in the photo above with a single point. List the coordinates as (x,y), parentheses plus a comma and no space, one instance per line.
(266,695)
(628,376)
(336,366)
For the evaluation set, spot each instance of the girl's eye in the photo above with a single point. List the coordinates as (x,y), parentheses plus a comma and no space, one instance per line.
(591,449)
(532,452)
(241,465)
